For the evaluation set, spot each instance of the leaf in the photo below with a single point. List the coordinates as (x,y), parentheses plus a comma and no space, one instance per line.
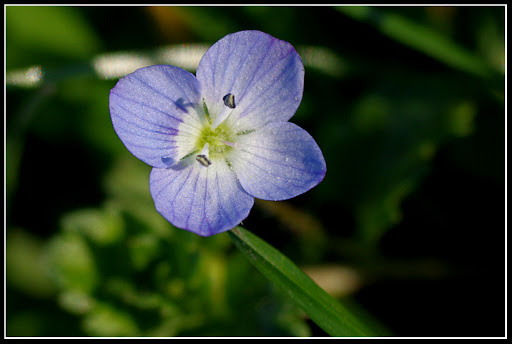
(324,310)
(34,32)
(385,145)
(26,268)
(421,38)
(72,263)
(103,227)
(108,321)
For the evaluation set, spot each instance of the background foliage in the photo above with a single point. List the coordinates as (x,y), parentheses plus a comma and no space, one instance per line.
(407,104)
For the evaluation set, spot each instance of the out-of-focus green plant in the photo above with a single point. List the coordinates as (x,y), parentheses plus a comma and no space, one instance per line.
(125,273)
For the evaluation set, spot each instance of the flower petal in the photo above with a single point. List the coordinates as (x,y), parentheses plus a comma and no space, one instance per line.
(203,200)
(265,75)
(277,162)
(152,109)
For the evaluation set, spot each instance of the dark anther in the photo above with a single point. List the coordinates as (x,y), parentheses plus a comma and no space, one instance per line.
(203,160)
(229,100)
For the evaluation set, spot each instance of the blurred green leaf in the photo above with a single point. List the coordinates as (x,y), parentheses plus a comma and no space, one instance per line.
(155,283)
(107,321)
(75,301)
(127,185)
(26,268)
(421,38)
(327,312)
(491,40)
(126,181)
(143,249)
(376,215)
(36,31)
(101,226)
(72,263)
(383,148)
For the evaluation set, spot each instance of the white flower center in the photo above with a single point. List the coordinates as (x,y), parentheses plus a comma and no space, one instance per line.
(217,138)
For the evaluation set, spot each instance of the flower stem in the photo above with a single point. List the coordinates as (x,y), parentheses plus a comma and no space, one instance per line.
(333,317)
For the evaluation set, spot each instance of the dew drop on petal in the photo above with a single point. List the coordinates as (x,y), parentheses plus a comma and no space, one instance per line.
(168,161)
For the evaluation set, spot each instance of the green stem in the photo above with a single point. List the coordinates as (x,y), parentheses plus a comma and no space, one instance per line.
(324,310)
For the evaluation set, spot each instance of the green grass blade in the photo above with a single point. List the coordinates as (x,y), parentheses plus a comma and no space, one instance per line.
(324,310)
(420,38)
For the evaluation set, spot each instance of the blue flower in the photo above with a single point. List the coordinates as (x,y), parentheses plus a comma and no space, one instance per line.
(219,139)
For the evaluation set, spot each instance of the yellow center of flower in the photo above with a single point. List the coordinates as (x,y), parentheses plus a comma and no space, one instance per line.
(218,139)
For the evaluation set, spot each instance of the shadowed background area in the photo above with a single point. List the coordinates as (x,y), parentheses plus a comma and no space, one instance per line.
(406,103)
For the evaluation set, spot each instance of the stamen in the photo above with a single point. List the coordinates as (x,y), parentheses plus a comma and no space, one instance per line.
(203,160)
(203,157)
(229,101)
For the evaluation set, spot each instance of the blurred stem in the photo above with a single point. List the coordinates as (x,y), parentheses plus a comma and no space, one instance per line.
(15,138)
(421,38)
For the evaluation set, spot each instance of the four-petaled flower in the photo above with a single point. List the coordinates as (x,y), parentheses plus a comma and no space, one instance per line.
(218,140)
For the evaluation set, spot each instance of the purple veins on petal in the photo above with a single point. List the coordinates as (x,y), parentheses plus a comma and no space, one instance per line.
(221,139)
(278,161)
(197,199)
(146,109)
(257,68)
